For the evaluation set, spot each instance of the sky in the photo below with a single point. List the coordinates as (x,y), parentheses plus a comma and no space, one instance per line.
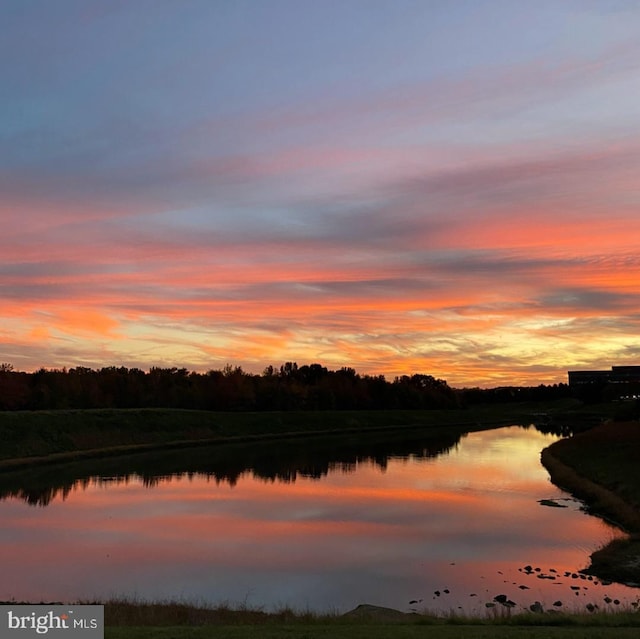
(439,187)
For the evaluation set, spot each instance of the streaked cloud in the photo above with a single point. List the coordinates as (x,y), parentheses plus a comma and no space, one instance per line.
(190,188)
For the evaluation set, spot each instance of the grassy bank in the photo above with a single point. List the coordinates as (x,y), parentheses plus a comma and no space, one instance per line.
(56,436)
(126,619)
(372,632)
(30,436)
(600,466)
(137,620)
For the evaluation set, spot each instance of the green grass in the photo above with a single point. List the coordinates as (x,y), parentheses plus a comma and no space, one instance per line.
(132,620)
(369,631)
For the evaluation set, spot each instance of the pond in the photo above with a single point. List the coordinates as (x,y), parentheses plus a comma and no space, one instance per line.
(426,521)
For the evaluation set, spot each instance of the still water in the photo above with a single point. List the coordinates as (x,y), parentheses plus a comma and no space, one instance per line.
(446,524)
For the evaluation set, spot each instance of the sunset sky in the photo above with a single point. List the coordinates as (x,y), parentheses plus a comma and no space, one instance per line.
(444,187)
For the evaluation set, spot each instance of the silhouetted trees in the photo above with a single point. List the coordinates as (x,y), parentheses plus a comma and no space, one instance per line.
(291,387)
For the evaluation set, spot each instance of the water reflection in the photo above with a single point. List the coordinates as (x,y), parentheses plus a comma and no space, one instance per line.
(282,461)
(461,517)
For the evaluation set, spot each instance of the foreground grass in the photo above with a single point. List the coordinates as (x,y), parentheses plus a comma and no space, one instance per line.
(544,626)
(126,620)
(369,631)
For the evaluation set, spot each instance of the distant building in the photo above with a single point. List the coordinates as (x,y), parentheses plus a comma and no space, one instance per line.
(626,373)
(617,375)
(627,377)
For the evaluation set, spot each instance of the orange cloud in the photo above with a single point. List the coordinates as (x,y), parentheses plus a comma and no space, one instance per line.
(494,291)
(39,334)
(86,321)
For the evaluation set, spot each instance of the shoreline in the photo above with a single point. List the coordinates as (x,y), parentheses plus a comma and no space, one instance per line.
(599,500)
(619,560)
(22,463)
(34,438)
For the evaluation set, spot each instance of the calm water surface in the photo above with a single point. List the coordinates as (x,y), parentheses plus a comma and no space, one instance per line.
(380,529)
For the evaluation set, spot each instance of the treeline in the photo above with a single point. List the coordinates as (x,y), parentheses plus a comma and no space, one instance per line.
(290,387)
